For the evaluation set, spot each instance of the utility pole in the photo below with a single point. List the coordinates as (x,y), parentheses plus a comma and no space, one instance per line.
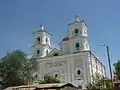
(107,47)
(109,62)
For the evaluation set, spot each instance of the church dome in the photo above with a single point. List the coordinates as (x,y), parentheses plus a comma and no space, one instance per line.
(65,38)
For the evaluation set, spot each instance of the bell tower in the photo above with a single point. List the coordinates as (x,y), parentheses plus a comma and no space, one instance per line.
(77,38)
(79,35)
(42,44)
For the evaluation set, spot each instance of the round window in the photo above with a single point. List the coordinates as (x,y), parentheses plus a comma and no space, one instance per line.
(56,75)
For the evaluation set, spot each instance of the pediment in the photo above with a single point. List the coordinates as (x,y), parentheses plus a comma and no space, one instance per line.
(55,52)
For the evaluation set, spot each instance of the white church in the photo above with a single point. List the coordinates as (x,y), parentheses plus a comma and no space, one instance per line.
(74,62)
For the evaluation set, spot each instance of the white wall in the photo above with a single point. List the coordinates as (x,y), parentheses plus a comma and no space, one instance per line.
(64,46)
(65,66)
(96,66)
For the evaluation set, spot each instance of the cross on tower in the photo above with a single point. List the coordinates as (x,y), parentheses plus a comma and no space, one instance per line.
(77,18)
(41,27)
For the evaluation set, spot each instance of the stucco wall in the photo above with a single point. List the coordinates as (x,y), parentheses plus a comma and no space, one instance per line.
(65,66)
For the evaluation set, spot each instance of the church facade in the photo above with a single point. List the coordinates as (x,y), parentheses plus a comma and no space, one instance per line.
(73,62)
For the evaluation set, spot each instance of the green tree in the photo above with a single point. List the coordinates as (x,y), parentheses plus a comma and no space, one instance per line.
(16,69)
(99,82)
(49,79)
(117,69)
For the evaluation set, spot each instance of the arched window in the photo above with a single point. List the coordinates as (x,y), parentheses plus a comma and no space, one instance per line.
(46,40)
(78,72)
(38,51)
(46,52)
(56,54)
(76,32)
(85,31)
(38,39)
(77,46)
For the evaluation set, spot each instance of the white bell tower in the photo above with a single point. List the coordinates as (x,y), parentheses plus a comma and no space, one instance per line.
(41,45)
(77,38)
(79,35)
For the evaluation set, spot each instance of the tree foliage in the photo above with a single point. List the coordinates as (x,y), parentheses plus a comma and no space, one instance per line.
(99,82)
(117,69)
(16,69)
(49,79)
